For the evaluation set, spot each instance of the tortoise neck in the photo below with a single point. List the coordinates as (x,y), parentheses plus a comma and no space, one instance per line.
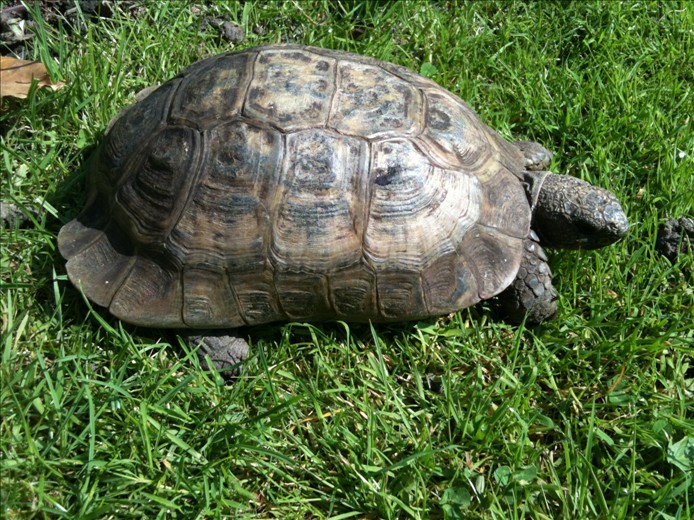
(533,181)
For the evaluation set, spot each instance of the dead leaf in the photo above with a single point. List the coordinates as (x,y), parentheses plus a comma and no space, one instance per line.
(16,77)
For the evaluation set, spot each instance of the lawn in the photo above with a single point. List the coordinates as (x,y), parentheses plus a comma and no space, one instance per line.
(461,416)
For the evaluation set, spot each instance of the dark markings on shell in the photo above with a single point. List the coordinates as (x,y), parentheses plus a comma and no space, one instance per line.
(438,119)
(448,281)
(456,141)
(400,294)
(492,256)
(257,297)
(303,295)
(387,176)
(353,293)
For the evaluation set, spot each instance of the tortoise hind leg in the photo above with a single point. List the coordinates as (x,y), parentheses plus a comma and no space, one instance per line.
(225,351)
(531,295)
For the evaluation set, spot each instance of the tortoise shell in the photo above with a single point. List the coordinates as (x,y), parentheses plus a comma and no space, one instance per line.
(290,182)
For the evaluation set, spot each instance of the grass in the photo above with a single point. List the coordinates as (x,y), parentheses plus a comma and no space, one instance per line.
(589,416)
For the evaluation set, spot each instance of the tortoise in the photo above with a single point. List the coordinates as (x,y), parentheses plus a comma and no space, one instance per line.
(285,182)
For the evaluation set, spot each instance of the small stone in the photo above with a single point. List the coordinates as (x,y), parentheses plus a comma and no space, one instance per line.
(11,215)
(232,32)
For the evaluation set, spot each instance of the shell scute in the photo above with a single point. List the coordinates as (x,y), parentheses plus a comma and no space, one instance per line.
(492,256)
(448,283)
(303,295)
(291,90)
(314,225)
(151,295)
(371,102)
(208,298)
(353,293)
(100,267)
(127,135)
(418,212)
(149,200)
(453,135)
(257,297)
(400,294)
(213,91)
(226,217)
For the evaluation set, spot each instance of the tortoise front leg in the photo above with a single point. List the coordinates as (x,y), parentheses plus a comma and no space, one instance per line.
(531,295)
(537,157)
(225,351)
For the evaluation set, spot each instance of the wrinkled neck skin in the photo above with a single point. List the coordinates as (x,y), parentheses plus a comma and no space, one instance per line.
(533,185)
(569,213)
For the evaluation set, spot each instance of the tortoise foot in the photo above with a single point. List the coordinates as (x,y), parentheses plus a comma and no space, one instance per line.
(531,296)
(224,351)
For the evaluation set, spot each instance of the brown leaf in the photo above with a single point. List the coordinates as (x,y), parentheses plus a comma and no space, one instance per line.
(16,77)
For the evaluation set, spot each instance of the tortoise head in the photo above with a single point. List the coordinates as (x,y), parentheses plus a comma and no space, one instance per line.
(570,213)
